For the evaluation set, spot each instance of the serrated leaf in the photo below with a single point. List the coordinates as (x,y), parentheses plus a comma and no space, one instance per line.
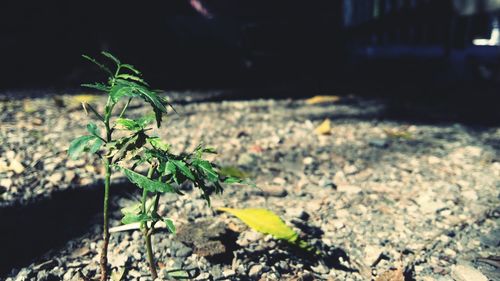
(122,89)
(93,130)
(211,150)
(144,182)
(231,171)
(100,65)
(183,168)
(207,170)
(111,57)
(132,89)
(264,221)
(133,209)
(78,145)
(131,68)
(96,146)
(231,180)
(156,102)
(170,225)
(145,120)
(132,77)
(158,143)
(128,124)
(170,169)
(131,218)
(96,86)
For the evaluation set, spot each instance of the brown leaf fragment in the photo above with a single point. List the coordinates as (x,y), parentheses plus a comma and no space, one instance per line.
(80,252)
(392,275)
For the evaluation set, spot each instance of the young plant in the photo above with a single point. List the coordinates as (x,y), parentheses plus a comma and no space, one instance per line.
(133,150)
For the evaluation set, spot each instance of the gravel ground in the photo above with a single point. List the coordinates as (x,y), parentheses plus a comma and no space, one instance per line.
(371,194)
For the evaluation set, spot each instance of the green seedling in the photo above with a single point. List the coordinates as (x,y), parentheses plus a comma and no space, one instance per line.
(127,147)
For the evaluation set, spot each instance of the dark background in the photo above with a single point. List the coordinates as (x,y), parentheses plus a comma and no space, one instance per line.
(393,48)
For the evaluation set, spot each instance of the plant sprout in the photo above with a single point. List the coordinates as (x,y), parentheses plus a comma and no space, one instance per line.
(133,151)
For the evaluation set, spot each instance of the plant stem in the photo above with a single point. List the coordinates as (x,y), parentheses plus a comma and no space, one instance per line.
(151,259)
(104,251)
(107,182)
(147,234)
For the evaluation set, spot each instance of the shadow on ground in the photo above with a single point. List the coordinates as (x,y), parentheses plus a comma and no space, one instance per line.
(30,231)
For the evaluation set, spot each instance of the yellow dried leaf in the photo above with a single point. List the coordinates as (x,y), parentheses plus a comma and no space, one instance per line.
(324,128)
(398,134)
(322,99)
(264,221)
(28,106)
(78,99)
(118,274)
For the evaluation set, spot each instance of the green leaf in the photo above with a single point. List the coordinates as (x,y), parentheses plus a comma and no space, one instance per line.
(157,102)
(231,180)
(170,169)
(145,120)
(207,170)
(146,183)
(178,274)
(157,143)
(133,209)
(211,150)
(100,65)
(111,57)
(122,88)
(128,124)
(231,171)
(170,225)
(96,86)
(132,77)
(78,145)
(96,146)
(131,218)
(92,129)
(183,168)
(131,68)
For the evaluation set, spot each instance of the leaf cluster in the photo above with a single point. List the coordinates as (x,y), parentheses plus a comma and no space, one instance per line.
(136,150)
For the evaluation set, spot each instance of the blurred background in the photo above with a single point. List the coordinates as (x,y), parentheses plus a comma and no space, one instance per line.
(445,50)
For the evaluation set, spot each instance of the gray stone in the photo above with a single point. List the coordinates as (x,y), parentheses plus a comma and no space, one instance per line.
(7,183)
(348,188)
(228,272)
(255,270)
(380,143)
(183,252)
(463,272)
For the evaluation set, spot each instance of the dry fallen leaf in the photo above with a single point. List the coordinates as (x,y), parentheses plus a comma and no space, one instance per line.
(324,128)
(78,99)
(392,275)
(398,134)
(80,252)
(118,274)
(322,99)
